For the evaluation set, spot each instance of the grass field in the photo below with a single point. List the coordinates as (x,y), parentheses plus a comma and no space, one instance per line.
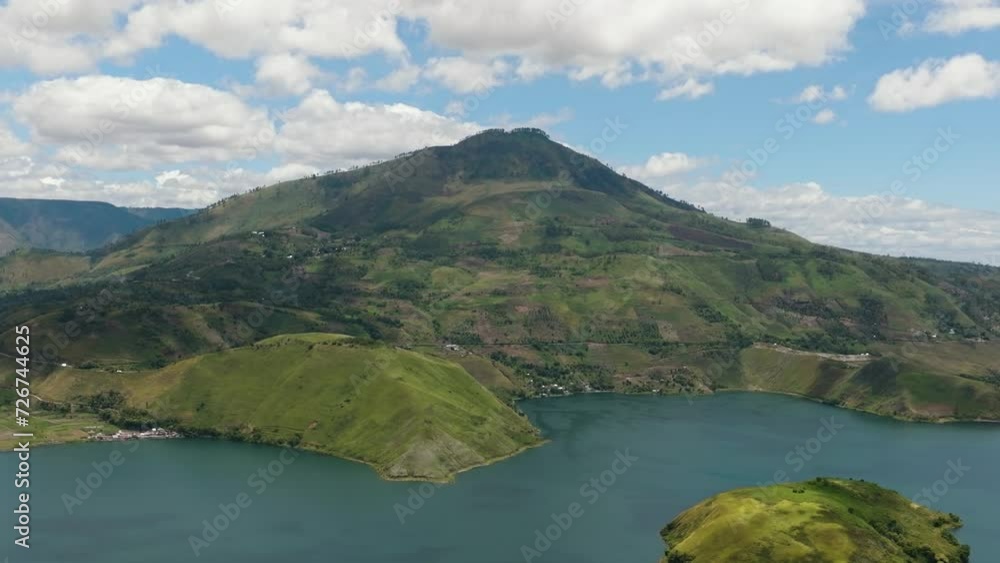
(50,428)
(409,415)
(914,383)
(819,521)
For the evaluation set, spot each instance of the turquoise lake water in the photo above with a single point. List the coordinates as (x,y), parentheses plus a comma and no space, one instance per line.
(321,509)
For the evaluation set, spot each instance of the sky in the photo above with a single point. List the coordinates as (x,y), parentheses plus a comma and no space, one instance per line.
(864,124)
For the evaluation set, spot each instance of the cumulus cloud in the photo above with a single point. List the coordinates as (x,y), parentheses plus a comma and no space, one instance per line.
(323,132)
(465,76)
(56,37)
(664,165)
(122,123)
(539,121)
(668,42)
(935,82)
(817,93)
(286,73)
(825,117)
(879,223)
(400,79)
(11,145)
(317,28)
(691,89)
(650,39)
(957,16)
(186,186)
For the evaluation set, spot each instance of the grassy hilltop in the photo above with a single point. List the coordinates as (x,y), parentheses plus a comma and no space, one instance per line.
(409,415)
(530,266)
(820,521)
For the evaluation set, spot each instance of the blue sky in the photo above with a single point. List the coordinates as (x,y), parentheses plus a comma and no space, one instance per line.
(204,98)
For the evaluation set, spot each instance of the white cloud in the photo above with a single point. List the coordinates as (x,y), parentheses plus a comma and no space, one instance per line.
(57,37)
(528,69)
(122,123)
(935,82)
(957,16)
(399,80)
(190,187)
(667,42)
(816,93)
(16,166)
(285,73)
(664,165)
(690,89)
(247,28)
(539,121)
(355,80)
(465,76)
(880,224)
(455,107)
(291,171)
(825,117)
(662,40)
(11,145)
(323,132)
(546,120)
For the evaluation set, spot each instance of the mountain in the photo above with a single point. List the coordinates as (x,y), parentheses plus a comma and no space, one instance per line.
(820,520)
(71,226)
(536,269)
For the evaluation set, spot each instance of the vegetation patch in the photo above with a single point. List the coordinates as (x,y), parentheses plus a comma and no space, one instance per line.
(819,521)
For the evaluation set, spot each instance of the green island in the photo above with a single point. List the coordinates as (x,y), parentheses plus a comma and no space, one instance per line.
(462,279)
(818,521)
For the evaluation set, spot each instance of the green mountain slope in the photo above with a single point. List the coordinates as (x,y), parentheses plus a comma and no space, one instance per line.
(822,521)
(71,226)
(544,265)
(409,415)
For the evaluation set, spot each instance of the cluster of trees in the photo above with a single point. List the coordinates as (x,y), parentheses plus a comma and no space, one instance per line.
(758,223)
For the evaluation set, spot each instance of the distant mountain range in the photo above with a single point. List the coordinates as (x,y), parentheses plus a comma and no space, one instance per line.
(72,226)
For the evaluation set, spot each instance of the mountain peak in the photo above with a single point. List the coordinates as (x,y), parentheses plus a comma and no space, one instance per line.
(501,133)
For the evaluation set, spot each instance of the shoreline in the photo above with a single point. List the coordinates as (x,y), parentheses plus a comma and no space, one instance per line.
(450,478)
(942,420)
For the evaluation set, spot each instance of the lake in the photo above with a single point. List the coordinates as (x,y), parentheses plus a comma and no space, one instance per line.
(670,452)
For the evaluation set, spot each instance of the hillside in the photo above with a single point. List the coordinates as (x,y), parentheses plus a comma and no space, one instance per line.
(821,521)
(407,414)
(511,251)
(71,226)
